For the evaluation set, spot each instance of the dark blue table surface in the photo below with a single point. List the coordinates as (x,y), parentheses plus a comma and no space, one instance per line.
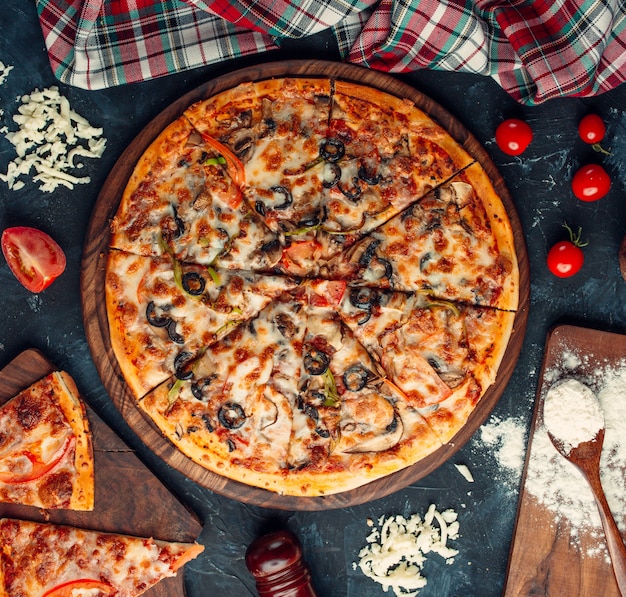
(539,184)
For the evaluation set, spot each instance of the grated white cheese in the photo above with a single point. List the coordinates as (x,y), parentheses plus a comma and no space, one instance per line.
(4,72)
(50,139)
(396,552)
(464,470)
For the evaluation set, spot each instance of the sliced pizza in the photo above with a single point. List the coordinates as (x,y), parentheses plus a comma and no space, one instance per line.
(277,138)
(385,154)
(46,452)
(442,355)
(47,560)
(183,198)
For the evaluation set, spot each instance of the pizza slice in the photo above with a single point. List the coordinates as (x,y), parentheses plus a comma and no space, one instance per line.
(442,355)
(46,452)
(348,412)
(275,128)
(456,243)
(42,559)
(162,312)
(183,198)
(385,154)
(232,412)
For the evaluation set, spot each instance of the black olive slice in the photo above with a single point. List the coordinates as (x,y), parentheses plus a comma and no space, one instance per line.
(158,321)
(332,150)
(198,387)
(193,283)
(352,193)
(335,170)
(355,378)
(180,362)
(366,176)
(364,298)
(259,206)
(284,192)
(316,362)
(368,254)
(231,415)
(173,334)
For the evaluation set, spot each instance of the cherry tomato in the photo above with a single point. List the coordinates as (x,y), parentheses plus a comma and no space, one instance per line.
(513,136)
(591,183)
(566,257)
(35,259)
(591,129)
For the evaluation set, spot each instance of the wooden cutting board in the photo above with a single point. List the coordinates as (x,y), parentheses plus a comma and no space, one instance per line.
(543,561)
(129,499)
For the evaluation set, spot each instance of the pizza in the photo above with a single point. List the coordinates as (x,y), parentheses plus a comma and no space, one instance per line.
(310,284)
(46,452)
(54,560)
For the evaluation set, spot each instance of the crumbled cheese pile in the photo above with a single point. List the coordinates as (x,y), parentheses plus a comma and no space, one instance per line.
(396,552)
(4,72)
(50,139)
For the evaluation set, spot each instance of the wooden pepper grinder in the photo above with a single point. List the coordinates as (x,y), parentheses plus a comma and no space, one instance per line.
(275,561)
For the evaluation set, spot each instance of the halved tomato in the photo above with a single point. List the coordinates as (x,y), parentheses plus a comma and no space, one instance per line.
(35,258)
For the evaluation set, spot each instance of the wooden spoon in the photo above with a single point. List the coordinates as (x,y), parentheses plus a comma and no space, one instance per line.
(586,456)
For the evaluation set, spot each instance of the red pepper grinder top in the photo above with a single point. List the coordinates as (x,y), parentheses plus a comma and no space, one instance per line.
(275,561)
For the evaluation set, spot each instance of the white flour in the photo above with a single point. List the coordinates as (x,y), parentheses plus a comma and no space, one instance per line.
(571,413)
(551,479)
(556,483)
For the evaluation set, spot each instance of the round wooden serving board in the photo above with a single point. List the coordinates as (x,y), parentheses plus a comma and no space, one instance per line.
(94,310)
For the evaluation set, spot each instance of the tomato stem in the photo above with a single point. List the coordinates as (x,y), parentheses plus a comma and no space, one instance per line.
(597,147)
(575,238)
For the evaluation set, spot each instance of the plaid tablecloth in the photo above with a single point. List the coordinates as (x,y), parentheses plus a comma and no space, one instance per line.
(534,49)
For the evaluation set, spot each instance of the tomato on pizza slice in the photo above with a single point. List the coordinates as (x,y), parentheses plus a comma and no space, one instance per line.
(162,312)
(50,560)
(46,452)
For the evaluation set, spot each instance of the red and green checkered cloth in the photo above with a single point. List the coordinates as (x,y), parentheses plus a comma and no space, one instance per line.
(534,49)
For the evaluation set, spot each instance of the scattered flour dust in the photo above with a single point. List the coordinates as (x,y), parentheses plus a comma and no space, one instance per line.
(555,482)
(396,549)
(506,439)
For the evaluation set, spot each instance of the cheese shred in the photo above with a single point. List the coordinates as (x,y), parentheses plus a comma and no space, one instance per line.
(50,141)
(396,551)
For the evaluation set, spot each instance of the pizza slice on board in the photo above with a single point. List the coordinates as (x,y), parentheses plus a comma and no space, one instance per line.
(46,452)
(56,560)
(163,313)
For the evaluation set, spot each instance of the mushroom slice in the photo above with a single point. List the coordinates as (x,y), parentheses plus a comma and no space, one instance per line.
(368,424)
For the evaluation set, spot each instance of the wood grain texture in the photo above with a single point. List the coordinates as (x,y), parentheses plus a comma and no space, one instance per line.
(129,499)
(94,311)
(543,560)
